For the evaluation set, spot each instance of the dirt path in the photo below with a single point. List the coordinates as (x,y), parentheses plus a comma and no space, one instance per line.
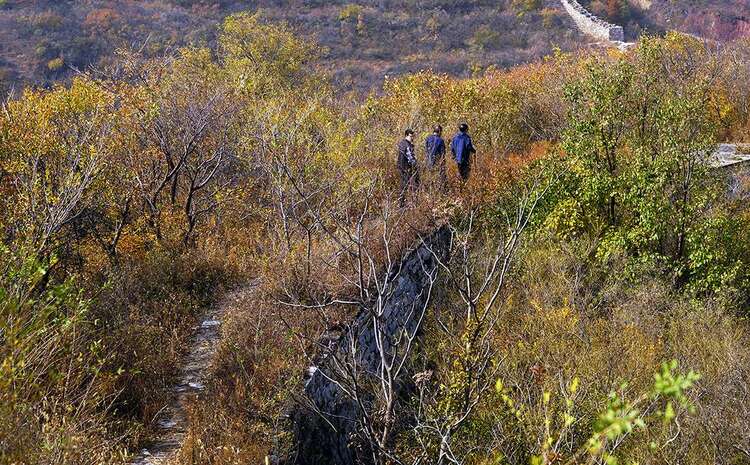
(172,420)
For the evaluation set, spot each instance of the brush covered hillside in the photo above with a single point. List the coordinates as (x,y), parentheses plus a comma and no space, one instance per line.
(716,19)
(719,20)
(588,301)
(46,41)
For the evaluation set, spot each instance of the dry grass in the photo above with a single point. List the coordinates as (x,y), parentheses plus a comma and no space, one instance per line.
(257,368)
(563,320)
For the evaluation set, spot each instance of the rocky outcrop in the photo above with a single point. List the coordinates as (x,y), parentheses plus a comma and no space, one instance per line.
(729,154)
(733,160)
(325,422)
(592,25)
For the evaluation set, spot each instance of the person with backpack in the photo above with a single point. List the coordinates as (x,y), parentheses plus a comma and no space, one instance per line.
(435,149)
(406,162)
(462,150)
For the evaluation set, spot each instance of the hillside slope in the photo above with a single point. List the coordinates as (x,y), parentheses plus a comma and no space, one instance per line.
(596,268)
(714,19)
(722,20)
(45,41)
(361,42)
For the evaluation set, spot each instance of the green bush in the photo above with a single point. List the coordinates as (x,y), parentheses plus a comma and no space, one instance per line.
(636,173)
(55,64)
(350,11)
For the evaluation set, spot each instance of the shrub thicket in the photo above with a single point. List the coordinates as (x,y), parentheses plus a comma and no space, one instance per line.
(132,199)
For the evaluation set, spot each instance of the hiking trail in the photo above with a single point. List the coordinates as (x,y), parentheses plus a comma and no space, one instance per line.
(172,421)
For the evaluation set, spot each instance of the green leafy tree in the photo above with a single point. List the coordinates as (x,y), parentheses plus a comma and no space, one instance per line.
(637,154)
(265,58)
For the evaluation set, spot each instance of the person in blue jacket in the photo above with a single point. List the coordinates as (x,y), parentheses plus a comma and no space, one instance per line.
(462,149)
(435,149)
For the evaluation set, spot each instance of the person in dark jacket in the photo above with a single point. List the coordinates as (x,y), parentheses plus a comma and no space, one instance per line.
(462,150)
(435,149)
(407,165)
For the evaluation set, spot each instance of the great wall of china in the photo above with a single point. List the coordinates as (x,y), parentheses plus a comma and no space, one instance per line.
(592,25)
(325,424)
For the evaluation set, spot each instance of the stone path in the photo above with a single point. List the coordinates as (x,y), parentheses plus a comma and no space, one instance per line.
(172,420)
